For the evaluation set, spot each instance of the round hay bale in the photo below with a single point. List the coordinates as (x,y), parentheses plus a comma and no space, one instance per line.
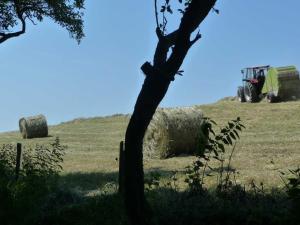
(174,131)
(33,126)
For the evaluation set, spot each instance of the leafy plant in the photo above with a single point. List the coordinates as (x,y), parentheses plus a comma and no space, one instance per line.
(213,146)
(292,185)
(152,181)
(37,182)
(43,160)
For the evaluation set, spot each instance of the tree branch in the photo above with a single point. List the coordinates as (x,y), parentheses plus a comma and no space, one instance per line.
(198,36)
(192,18)
(163,46)
(156,13)
(5,36)
(178,39)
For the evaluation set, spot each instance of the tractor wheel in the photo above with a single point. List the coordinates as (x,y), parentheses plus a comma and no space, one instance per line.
(271,97)
(250,93)
(241,94)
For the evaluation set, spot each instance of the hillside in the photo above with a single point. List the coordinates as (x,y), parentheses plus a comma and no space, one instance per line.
(270,143)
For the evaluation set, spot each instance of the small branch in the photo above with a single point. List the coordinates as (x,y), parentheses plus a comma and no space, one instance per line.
(192,18)
(163,46)
(32,21)
(229,164)
(159,33)
(198,36)
(156,14)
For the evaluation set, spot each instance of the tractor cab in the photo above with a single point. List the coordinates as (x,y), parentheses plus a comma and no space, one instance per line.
(277,84)
(253,74)
(253,82)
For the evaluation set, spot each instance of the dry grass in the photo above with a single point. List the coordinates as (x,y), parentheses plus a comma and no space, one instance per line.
(269,144)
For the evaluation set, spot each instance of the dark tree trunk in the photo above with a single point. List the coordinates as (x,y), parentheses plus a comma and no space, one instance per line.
(152,92)
(156,84)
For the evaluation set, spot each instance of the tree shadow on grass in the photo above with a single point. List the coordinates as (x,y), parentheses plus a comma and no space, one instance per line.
(233,205)
(88,182)
(172,207)
(85,183)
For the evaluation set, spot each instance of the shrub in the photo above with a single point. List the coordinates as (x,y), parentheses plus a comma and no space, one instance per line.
(22,200)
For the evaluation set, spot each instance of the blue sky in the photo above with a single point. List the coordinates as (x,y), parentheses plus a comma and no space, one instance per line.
(44,71)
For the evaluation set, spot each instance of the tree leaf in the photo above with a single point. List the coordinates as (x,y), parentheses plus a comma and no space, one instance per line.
(236,133)
(169,9)
(163,8)
(232,135)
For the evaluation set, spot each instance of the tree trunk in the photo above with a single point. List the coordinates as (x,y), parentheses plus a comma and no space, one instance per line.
(156,84)
(151,94)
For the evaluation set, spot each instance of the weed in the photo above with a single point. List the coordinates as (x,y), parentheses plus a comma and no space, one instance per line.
(214,148)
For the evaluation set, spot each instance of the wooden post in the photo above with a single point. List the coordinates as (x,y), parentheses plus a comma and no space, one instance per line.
(18,159)
(121,167)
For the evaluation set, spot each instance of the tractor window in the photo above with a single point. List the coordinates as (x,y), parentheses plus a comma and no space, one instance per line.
(262,72)
(258,73)
(255,74)
(249,73)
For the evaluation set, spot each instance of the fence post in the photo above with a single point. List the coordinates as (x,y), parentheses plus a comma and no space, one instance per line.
(18,159)
(121,167)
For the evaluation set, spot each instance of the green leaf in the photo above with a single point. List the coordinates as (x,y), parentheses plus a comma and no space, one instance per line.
(231,125)
(217,158)
(232,135)
(236,133)
(209,147)
(221,146)
(218,137)
(225,141)
(213,122)
(211,131)
(181,11)
(169,9)
(229,140)
(294,181)
(224,130)
(216,153)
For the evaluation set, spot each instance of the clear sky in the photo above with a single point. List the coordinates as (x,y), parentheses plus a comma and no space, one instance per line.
(44,71)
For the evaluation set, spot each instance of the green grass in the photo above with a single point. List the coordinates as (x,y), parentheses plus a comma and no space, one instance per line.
(269,144)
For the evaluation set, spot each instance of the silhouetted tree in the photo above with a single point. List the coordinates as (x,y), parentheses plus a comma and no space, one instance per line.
(67,13)
(157,80)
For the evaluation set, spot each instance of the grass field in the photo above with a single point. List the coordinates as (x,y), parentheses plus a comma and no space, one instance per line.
(269,144)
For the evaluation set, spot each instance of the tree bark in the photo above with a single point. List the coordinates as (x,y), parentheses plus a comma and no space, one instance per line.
(152,92)
(156,84)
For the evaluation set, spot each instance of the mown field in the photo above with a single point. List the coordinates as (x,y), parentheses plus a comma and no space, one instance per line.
(269,144)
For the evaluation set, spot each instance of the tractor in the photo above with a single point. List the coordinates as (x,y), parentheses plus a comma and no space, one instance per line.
(277,84)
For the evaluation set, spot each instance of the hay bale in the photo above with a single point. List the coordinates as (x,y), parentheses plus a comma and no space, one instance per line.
(33,127)
(173,131)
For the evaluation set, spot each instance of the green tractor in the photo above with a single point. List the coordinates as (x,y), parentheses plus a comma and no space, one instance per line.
(277,84)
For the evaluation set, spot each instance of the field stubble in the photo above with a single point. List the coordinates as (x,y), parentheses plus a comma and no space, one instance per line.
(270,143)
